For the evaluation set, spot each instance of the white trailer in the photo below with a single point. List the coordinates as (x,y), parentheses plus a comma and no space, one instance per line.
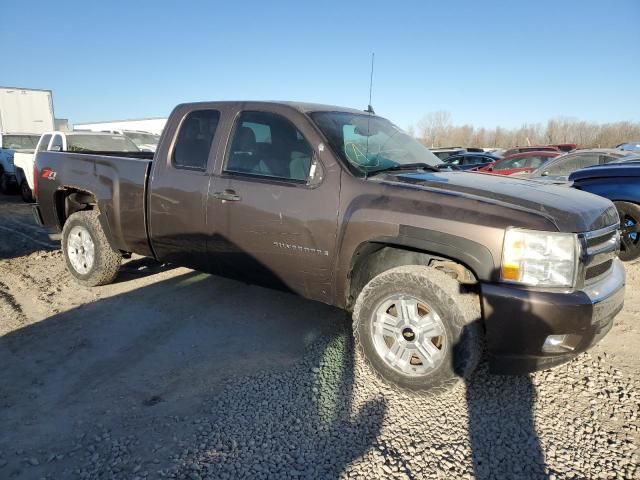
(26,110)
(149,125)
(25,114)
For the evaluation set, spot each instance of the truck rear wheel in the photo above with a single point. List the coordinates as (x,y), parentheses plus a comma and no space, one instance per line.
(25,192)
(417,328)
(87,253)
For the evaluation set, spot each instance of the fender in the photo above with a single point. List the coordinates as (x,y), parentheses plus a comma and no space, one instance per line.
(473,254)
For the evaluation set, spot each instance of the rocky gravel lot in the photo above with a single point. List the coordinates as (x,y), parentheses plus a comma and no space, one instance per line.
(170,373)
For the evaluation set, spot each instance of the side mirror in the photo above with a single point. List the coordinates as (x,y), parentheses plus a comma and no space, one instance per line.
(545,173)
(56,148)
(316,172)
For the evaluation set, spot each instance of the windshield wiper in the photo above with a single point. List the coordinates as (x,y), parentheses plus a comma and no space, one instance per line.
(405,166)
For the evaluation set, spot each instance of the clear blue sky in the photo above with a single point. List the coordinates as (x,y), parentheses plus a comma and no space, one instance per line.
(487,63)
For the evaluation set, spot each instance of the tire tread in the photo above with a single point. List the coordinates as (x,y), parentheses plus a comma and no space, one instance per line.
(455,296)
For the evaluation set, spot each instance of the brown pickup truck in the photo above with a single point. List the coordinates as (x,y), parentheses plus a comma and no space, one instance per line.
(342,207)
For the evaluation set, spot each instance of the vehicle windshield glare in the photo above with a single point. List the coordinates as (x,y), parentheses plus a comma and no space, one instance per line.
(100,143)
(20,142)
(523,162)
(371,143)
(142,138)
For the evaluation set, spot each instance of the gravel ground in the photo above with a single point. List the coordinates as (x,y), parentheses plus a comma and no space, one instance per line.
(174,374)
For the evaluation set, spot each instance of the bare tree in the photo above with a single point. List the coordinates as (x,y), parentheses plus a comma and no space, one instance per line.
(436,130)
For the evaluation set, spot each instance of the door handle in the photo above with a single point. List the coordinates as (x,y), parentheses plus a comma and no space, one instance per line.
(227,195)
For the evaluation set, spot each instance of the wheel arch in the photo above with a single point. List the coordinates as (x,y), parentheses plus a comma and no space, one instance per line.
(70,200)
(376,256)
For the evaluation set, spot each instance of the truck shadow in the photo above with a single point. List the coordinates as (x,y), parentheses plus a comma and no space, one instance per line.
(191,370)
(502,431)
(141,267)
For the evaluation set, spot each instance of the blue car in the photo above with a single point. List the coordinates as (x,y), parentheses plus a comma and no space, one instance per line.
(620,183)
(630,146)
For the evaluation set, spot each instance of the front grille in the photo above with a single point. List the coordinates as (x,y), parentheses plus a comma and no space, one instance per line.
(599,249)
(598,270)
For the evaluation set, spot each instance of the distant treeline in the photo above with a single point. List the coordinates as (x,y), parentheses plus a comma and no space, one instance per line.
(436,130)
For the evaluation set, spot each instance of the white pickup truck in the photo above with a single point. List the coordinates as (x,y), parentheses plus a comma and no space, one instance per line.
(81,141)
(12,144)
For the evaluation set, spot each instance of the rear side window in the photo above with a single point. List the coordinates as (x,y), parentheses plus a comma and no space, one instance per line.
(267,144)
(195,138)
(608,158)
(44,143)
(564,166)
(587,160)
(57,142)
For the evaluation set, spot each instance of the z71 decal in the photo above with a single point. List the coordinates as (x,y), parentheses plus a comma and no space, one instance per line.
(48,173)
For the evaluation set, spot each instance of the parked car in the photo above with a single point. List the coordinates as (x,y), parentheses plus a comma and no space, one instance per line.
(632,158)
(620,183)
(445,152)
(468,161)
(630,146)
(82,141)
(10,145)
(558,169)
(519,163)
(342,207)
(145,141)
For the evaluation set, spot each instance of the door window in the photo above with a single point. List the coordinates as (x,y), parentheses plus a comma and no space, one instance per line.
(268,145)
(194,139)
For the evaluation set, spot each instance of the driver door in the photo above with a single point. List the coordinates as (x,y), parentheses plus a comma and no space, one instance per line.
(275,205)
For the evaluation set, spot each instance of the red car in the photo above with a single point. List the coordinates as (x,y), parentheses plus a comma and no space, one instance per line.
(519,163)
(554,147)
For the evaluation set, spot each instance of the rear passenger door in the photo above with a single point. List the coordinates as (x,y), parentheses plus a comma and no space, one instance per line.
(275,204)
(178,221)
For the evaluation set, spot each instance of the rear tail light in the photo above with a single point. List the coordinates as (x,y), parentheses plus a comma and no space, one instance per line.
(35,182)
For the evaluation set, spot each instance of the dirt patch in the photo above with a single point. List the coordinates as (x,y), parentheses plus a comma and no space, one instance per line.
(173,373)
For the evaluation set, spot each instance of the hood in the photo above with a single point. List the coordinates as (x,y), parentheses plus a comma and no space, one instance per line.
(607,171)
(568,209)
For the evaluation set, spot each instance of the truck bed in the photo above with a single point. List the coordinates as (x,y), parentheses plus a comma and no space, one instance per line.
(118,183)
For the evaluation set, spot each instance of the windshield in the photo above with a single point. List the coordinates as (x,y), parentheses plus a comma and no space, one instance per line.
(141,138)
(20,142)
(369,143)
(100,143)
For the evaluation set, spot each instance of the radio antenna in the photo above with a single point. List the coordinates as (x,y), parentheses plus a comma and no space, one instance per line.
(369,107)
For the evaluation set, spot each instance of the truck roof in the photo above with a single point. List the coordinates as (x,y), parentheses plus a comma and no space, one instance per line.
(303,107)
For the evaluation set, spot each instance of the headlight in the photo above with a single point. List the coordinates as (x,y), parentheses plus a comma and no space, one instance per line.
(543,259)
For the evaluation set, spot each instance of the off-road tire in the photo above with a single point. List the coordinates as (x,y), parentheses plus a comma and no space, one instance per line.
(26,193)
(456,304)
(106,260)
(632,210)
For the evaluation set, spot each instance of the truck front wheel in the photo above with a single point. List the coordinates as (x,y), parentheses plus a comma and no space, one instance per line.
(418,328)
(87,253)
